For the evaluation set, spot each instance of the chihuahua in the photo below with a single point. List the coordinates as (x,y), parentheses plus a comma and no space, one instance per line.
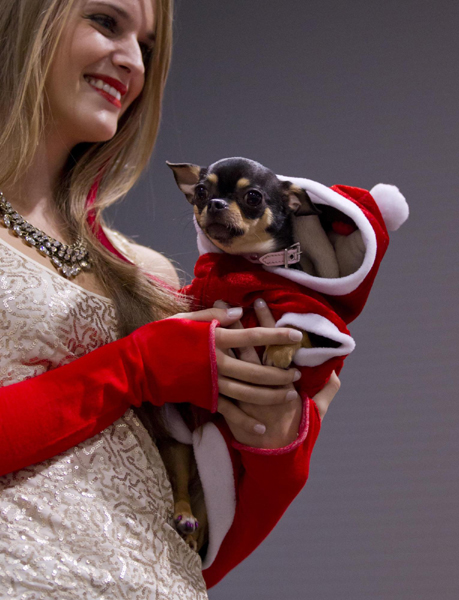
(244,209)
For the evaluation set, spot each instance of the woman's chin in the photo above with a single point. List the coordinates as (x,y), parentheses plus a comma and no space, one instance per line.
(99,135)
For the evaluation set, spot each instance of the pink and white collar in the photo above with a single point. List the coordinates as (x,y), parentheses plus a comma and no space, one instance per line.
(282,258)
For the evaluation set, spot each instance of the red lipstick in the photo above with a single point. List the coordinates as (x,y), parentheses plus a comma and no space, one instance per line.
(120,87)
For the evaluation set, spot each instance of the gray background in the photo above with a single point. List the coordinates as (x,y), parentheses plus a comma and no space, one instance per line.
(356,93)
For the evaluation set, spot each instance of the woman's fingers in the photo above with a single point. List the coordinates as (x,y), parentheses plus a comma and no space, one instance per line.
(238,418)
(248,354)
(255,336)
(263,313)
(252,394)
(255,373)
(327,393)
(225,316)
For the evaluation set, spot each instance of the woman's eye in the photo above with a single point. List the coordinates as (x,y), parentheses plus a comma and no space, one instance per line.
(253,198)
(111,24)
(106,21)
(201,192)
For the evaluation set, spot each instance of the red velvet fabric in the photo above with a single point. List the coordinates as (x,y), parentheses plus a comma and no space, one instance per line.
(266,484)
(45,415)
(239,282)
(349,306)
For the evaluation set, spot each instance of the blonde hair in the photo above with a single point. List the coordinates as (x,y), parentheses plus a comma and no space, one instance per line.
(30,31)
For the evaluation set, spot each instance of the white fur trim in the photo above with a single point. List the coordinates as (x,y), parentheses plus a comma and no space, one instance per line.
(217,478)
(176,425)
(321,194)
(216,473)
(392,204)
(312,357)
(204,244)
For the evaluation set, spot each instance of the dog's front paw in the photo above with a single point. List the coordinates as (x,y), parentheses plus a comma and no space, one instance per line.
(185,523)
(279,356)
(187,526)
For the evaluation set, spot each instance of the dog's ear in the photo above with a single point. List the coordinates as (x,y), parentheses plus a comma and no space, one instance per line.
(187,176)
(297,200)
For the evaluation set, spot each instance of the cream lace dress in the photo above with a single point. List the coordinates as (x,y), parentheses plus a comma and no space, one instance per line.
(94,522)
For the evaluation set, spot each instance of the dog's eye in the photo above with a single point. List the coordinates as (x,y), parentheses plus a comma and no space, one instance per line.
(253,198)
(201,192)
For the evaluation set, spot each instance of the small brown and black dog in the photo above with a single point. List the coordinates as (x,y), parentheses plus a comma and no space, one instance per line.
(244,209)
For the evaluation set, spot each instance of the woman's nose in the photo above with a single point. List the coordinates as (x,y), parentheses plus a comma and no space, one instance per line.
(129,56)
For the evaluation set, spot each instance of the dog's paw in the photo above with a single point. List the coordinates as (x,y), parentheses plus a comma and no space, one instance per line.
(187,527)
(279,356)
(185,523)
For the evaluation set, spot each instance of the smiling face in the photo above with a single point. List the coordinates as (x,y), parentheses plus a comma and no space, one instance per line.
(99,67)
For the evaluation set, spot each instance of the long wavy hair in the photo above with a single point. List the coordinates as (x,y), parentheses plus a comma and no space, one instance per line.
(30,31)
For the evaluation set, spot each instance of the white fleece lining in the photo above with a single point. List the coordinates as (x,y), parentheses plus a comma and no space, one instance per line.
(216,473)
(217,478)
(176,425)
(312,357)
(321,194)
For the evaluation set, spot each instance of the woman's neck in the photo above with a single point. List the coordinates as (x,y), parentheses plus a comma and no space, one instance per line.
(33,193)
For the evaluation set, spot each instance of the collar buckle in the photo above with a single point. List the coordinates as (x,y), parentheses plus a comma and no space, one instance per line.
(282,258)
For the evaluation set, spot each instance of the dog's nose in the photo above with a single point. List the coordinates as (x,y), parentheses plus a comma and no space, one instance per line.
(216,205)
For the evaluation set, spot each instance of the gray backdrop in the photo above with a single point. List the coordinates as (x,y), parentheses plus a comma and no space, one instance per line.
(356,93)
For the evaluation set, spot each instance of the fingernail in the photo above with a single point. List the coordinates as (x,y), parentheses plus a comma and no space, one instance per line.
(297,375)
(220,304)
(234,313)
(261,429)
(295,335)
(260,303)
(291,395)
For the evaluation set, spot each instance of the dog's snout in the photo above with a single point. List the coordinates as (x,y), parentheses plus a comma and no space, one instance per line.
(217,205)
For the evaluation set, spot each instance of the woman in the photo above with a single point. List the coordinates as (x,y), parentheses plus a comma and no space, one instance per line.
(82,83)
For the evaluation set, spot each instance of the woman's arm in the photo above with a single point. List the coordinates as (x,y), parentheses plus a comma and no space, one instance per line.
(268,476)
(266,484)
(173,360)
(50,413)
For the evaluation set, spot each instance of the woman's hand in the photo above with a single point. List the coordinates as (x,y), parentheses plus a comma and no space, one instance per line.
(247,382)
(282,420)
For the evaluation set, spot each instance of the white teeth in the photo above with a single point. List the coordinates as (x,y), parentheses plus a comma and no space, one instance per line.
(99,84)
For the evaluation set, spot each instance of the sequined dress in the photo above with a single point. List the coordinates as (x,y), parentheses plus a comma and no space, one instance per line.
(94,522)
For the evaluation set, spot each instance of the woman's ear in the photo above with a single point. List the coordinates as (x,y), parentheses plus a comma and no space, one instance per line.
(297,200)
(187,176)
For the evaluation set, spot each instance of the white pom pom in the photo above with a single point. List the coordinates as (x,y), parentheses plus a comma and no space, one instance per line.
(392,204)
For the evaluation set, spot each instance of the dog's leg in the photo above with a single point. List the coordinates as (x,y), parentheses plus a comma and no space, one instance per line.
(199,508)
(177,459)
(282,356)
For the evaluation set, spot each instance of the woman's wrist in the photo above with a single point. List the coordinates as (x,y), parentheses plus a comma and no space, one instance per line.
(283,425)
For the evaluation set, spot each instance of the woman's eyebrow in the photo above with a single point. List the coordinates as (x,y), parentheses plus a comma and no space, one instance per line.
(125,15)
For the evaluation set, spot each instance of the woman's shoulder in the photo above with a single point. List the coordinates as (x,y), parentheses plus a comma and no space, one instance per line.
(145,258)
